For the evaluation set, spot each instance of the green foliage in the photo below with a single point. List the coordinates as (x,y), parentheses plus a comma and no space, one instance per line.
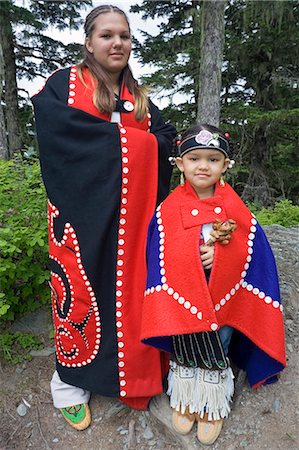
(15,347)
(23,239)
(267,156)
(282,213)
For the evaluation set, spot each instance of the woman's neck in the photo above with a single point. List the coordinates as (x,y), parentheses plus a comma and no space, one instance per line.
(115,82)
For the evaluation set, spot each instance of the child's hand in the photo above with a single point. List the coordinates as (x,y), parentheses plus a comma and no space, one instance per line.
(207,256)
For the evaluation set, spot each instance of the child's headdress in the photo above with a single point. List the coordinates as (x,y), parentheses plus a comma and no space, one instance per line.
(204,139)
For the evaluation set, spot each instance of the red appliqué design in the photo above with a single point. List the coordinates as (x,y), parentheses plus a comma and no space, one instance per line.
(75,310)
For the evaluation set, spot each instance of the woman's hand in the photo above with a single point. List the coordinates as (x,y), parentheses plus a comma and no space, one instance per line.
(207,256)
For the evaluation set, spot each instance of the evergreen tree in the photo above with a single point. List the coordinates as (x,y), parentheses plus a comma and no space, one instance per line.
(260,80)
(174,54)
(190,31)
(261,86)
(3,138)
(28,51)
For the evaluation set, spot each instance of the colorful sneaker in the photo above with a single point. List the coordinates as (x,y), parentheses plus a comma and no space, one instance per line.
(208,430)
(78,416)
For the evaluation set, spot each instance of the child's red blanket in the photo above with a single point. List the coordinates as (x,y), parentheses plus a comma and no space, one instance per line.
(242,292)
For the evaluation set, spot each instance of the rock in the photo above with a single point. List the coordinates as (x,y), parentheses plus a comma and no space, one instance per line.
(22,410)
(290,347)
(47,351)
(123,432)
(276,405)
(158,444)
(285,245)
(148,434)
(132,436)
(142,421)
(115,409)
(36,322)
(26,403)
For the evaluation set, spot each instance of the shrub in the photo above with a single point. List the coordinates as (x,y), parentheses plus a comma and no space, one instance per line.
(15,347)
(282,213)
(23,239)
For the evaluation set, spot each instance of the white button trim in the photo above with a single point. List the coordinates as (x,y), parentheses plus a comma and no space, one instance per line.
(242,283)
(128,106)
(121,252)
(164,286)
(72,86)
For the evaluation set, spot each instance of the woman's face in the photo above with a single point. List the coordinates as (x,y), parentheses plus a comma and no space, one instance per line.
(110,42)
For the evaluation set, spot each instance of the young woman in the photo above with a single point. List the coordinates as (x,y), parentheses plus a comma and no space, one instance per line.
(104,152)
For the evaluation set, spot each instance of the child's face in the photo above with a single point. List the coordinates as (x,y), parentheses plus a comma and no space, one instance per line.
(203,168)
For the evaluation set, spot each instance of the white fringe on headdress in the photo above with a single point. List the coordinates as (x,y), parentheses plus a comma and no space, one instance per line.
(201,390)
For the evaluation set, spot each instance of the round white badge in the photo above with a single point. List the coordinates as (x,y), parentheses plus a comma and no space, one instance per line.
(128,106)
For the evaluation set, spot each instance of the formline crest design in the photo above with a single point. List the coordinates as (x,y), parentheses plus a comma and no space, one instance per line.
(75,309)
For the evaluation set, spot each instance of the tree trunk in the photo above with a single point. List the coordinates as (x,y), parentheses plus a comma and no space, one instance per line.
(212,42)
(3,139)
(10,84)
(195,55)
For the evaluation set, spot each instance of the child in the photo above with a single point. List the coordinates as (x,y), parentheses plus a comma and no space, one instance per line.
(212,290)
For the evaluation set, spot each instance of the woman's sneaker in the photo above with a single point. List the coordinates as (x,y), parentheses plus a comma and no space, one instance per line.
(78,416)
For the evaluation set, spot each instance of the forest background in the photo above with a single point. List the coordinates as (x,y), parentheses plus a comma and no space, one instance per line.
(257,78)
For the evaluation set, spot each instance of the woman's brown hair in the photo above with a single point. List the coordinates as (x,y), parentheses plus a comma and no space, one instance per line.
(103,97)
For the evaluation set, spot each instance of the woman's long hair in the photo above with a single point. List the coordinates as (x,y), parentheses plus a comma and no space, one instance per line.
(103,96)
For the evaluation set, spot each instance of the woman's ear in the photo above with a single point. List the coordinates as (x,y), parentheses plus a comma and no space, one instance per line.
(179,163)
(88,45)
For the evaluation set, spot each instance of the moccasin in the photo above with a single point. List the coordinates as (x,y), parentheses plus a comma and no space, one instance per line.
(182,423)
(78,416)
(208,430)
